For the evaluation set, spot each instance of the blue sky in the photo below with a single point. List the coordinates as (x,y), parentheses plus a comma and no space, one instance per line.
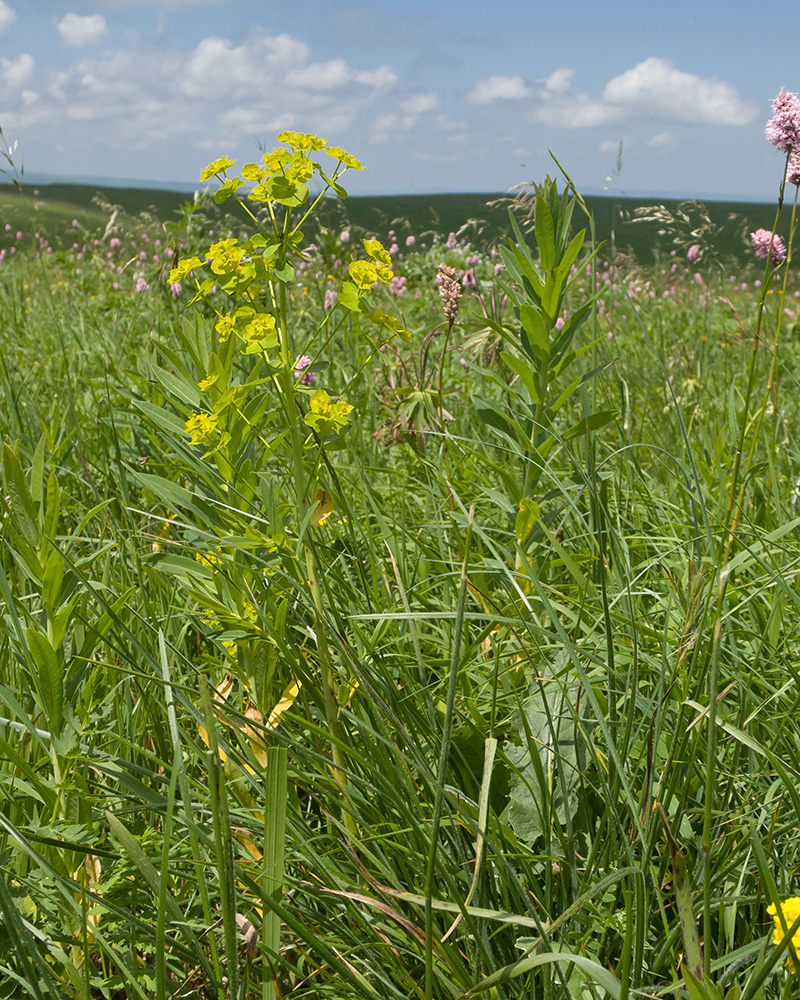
(431,95)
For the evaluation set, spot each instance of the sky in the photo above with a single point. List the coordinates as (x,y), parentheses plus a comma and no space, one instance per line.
(431,95)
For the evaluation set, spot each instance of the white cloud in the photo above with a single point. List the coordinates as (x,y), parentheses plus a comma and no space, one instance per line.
(14,72)
(7,15)
(575,111)
(498,88)
(320,76)
(420,103)
(29,97)
(657,89)
(662,139)
(383,76)
(559,80)
(76,30)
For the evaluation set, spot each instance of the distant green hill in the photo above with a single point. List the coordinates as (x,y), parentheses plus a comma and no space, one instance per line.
(480,218)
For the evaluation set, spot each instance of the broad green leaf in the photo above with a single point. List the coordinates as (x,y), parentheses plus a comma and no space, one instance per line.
(523,369)
(52,506)
(22,506)
(590,423)
(545,236)
(37,470)
(534,326)
(348,297)
(51,584)
(49,677)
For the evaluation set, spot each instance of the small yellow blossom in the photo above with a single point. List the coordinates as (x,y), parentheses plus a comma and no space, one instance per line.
(344,157)
(200,427)
(378,252)
(791,911)
(225,326)
(302,140)
(225,256)
(260,332)
(216,167)
(277,160)
(207,382)
(183,268)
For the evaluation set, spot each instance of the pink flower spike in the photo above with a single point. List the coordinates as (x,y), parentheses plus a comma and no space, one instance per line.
(410,241)
(692,254)
(783,129)
(330,299)
(793,167)
(761,239)
(345,237)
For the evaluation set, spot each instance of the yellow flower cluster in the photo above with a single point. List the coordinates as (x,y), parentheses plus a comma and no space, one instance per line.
(325,416)
(366,272)
(200,427)
(790,908)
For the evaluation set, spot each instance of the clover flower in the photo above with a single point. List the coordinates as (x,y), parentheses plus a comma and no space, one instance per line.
(783,129)
(306,378)
(793,167)
(761,239)
(790,908)
(449,290)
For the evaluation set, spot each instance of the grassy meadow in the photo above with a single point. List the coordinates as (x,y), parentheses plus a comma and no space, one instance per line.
(379,637)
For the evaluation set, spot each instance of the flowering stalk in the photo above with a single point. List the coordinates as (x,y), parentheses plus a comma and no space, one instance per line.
(782,131)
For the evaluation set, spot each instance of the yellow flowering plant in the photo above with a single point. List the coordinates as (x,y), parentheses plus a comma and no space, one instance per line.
(253,420)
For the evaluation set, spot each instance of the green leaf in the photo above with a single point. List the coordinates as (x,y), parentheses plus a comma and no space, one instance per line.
(49,677)
(22,506)
(349,297)
(590,423)
(37,471)
(51,584)
(545,236)
(523,369)
(535,327)
(52,507)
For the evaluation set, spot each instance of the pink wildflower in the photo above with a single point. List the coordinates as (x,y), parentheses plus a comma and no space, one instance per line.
(141,285)
(452,242)
(410,241)
(469,280)
(783,129)
(793,167)
(397,286)
(692,254)
(114,243)
(176,290)
(761,240)
(306,378)
(330,299)
(345,237)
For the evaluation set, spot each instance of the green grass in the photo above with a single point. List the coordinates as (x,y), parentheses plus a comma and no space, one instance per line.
(523,707)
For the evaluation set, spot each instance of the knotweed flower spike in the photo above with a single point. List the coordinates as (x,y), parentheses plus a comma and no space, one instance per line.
(783,129)
(791,911)
(450,291)
(761,241)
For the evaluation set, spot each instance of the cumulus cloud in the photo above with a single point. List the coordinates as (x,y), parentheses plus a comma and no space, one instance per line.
(76,30)
(420,103)
(15,72)
(7,15)
(498,88)
(383,76)
(320,76)
(655,88)
(559,80)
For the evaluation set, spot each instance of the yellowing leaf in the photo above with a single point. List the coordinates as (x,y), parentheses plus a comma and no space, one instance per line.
(286,702)
(323,509)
